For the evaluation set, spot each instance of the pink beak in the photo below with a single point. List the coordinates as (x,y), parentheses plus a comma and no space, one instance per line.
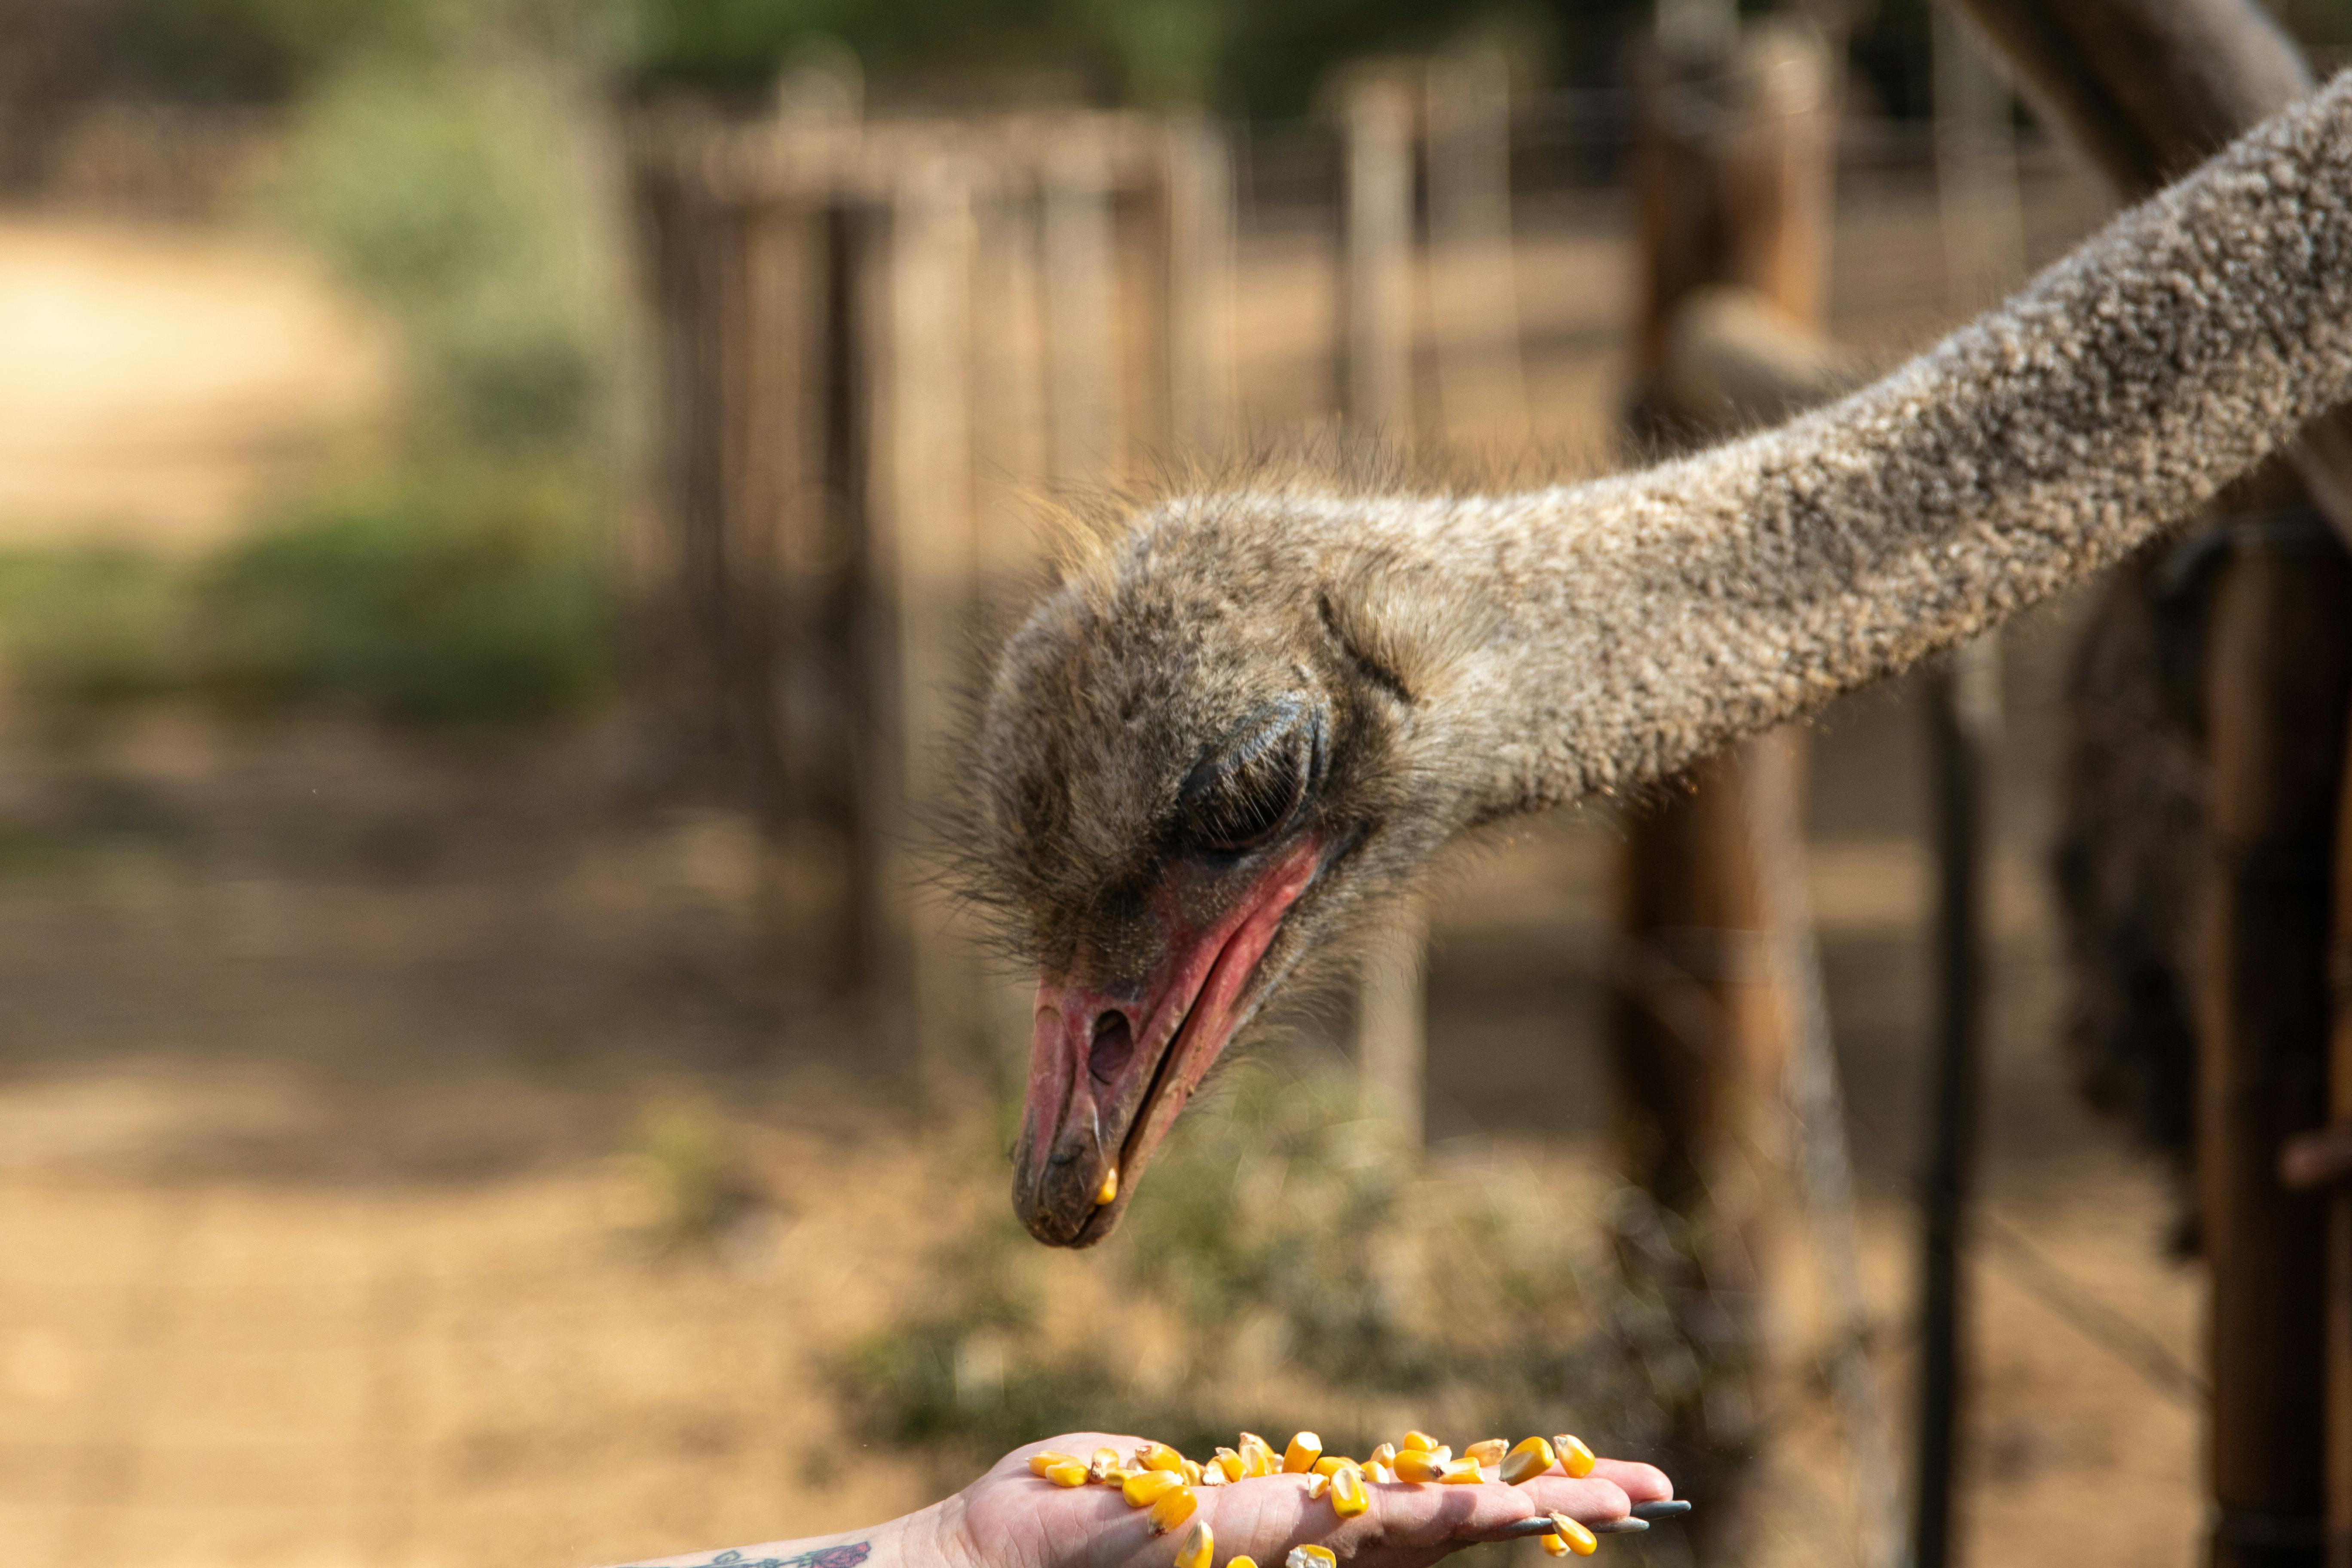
(1110,1068)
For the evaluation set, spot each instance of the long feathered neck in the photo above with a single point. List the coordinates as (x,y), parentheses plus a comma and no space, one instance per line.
(1637,623)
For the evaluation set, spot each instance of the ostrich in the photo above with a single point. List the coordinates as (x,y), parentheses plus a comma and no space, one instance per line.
(1254,713)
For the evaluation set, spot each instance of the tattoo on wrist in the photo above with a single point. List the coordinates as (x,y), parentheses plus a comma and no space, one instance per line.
(844,1556)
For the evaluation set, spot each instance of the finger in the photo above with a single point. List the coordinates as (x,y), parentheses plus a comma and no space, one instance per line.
(1080,1446)
(1641,1482)
(1426,1514)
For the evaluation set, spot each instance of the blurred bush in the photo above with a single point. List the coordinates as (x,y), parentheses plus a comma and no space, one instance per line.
(1285,1265)
(92,627)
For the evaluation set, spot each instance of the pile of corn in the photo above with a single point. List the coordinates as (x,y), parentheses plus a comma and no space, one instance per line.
(1156,1476)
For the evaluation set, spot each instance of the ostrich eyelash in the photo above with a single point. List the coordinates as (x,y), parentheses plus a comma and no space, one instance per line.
(1370,668)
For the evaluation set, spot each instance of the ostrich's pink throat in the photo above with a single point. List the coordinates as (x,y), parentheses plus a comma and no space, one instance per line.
(1112,1064)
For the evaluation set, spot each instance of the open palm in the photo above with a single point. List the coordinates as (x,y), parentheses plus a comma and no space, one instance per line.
(1011,1518)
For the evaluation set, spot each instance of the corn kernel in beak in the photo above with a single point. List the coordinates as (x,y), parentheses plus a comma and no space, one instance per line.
(1421,1440)
(1231,1465)
(1413,1465)
(1462,1472)
(1109,1189)
(1068,1473)
(1311,1557)
(1349,1498)
(1158,1456)
(1384,1454)
(1040,1463)
(1144,1488)
(1200,1543)
(1581,1540)
(1300,1456)
(1574,1456)
(1317,1485)
(1525,1462)
(1488,1452)
(1174,1507)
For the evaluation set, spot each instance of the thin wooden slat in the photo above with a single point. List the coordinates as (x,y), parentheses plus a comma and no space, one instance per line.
(1474,286)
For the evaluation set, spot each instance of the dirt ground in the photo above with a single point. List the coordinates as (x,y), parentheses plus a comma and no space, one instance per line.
(321,1055)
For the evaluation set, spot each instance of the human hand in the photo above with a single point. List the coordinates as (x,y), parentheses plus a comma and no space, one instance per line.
(1011,1518)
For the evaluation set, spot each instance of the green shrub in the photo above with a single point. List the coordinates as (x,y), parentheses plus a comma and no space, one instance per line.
(91,626)
(452,601)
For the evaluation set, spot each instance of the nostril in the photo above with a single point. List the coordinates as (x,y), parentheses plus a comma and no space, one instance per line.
(1114,1043)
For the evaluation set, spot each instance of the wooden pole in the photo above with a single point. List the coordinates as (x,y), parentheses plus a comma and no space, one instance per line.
(1474,285)
(1376,337)
(1199,301)
(1984,251)
(923,542)
(2279,677)
(1081,330)
(1732,169)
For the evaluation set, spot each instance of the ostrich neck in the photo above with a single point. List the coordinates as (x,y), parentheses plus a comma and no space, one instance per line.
(1642,621)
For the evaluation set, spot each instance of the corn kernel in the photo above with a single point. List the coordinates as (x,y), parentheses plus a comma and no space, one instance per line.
(1068,1473)
(1212,1474)
(1525,1462)
(1040,1463)
(1106,1466)
(1574,1456)
(1230,1464)
(1462,1472)
(1349,1498)
(1158,1456)
(1413,1465)
(1553,1545)
(1110,1188)
(1240,1563)
(1378,1473)
(1581,1540)
(1421,1440)
(1384,1454)
(1144,1488)
(1259,1458)
(1300,1456)
(1193,1473)
(1317,1485)
(1330,1462)
(1174,1507)
(1489,1451)
(1200,1543)
(1311,1556)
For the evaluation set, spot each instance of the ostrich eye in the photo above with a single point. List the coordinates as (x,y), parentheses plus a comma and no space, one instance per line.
(1238,799)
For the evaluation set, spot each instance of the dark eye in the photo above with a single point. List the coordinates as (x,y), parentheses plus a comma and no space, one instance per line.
(1238,799)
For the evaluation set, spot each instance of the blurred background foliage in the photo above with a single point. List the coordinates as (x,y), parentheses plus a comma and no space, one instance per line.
(1291,1250)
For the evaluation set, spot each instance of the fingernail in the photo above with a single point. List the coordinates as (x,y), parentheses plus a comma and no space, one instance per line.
(1653,1511)
(1620,1527)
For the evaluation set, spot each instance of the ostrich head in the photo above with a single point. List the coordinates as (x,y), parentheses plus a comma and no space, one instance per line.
(1196,760)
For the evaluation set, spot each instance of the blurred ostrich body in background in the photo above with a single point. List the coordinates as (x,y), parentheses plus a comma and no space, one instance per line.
(1226,738)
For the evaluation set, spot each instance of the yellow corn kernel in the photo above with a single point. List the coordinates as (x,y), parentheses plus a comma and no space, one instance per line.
(1349,1498)
(1105,1465)
(1212,1474)
(1310,1556)
(1144,1488)
(1230,1464)
(1158,1456)
(1553,1545)
(1192,1471)
(1413,1465)
(1330,1462)
(1109,1189)
(1317,1485)
(1200,1543)
(1384,1454)
(1378,1473)
(1068,1473)
(1300,1456)
(1574,1456)
(1174,1507)
(1581,1540)
(1462,1472)
(1489,1451)
(1259,1458)
(1040,1463)
(1240,1563)
(1525,1462)
(1421,1440)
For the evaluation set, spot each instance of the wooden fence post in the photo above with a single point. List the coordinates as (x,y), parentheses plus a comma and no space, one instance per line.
(1081,323)
(2279,682)
(1474,283)
(1732,166)
(1202,392)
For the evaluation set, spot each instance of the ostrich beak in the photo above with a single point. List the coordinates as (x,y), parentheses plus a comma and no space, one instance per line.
(1111,1064)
